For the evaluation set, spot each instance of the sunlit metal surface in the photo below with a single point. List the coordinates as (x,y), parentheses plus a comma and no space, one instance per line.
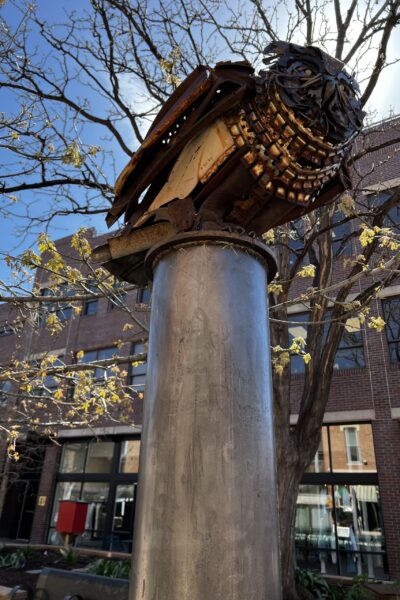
(207,521)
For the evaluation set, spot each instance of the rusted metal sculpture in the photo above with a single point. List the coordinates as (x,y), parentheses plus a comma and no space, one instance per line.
(235,151)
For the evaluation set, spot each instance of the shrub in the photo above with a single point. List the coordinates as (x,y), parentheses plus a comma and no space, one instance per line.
(119,569)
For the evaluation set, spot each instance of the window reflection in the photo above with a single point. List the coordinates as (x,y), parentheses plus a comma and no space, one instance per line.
(73,458)
(391,312)
(350,353)
(99,457)
(87,457)
(352,448)
(338,530)
(124,510)
(129,460)
(321,460)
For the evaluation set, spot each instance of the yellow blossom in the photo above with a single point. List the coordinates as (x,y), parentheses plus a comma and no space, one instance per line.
(274,288)
(367,236)
(269,236)
(307,271)
(346,205)
(376,323)
(306,358)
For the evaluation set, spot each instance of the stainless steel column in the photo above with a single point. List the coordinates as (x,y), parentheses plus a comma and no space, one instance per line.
(206,523)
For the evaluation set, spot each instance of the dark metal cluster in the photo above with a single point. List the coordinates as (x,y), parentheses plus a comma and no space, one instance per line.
(317,88)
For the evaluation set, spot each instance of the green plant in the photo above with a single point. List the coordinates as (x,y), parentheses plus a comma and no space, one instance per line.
(69,555)
(119,569)
(313,582)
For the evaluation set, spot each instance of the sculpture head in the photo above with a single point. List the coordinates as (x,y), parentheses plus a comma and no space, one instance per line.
(314,113)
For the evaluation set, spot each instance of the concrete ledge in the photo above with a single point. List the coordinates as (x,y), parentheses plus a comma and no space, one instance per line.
(77,549)
(93,432)
(344,416)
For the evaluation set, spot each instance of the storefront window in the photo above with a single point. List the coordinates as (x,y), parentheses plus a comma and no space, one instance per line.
(129,459)
(338,530)
(104,474)
(99,457)
(96,494)
(124,509)
(85,457)
(338,523)
(73,458)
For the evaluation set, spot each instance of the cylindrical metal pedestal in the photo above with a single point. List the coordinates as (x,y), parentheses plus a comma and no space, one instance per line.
(206,523)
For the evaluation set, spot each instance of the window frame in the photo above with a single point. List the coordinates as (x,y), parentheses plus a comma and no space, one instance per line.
(303,318)
(392,342)
(333,478)
(113,478)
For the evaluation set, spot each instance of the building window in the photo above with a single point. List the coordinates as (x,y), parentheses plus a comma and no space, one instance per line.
(341,235)
(143,296)
(5,389)
(95,457)
(350,353)
(129,457)
(352,445)
(391,315)
(118,296)
(5,329)
(90,307)
(338,522)
(392,217)
(62,310)
(50,383)
(91,356)
(138,370)
(104,474)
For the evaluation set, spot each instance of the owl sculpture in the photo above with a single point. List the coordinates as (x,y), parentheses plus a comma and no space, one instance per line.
(232,150)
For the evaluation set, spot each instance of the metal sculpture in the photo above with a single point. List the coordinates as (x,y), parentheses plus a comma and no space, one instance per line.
(235,151)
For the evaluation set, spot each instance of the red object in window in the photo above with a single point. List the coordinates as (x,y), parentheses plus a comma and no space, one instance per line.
(71,516)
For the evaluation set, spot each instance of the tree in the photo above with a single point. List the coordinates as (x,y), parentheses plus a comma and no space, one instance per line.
(84,90)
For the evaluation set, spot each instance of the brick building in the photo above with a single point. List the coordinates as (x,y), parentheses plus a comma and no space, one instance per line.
(348,519)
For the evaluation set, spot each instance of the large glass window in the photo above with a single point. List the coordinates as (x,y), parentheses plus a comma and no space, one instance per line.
(104,474)
(338,520)
(350,353)
(345,448)
(129,457)
(391,315)
(91,356)
(84,457)
(339,530)
(138,369)
(62,310)
(122,527)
